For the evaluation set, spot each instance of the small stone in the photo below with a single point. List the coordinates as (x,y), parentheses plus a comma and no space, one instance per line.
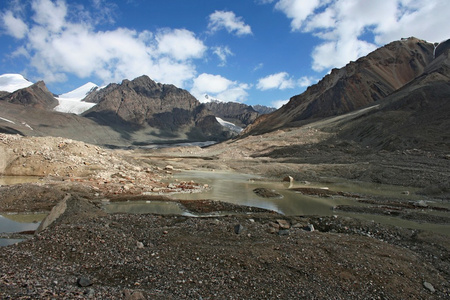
(283,232)
(421,203)
(288,179)
(429,286)
(84,282)
(140,245)
(168,168)
(130,295)
(284,224)
(238,229)
(309,227)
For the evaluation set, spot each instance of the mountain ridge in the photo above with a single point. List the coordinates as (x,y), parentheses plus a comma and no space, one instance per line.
(367,80)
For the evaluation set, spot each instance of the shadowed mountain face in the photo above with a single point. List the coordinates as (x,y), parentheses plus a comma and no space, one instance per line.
(36,95)
(237,113)
(366,81)
(142,104)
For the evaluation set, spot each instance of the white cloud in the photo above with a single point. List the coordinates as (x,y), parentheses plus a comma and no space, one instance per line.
(279,103)
(222,53)
(276,81)
(229,21)
(219,87)
(180,44)
(14,26)
(297,10)
(306,81)
(61,42)
(50,14)
(352,28)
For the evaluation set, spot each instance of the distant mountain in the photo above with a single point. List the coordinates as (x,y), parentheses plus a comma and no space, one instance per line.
(261,109)
(36,95)
(237,113)
(366,81)
(72,102)
(154,109)
(13,82)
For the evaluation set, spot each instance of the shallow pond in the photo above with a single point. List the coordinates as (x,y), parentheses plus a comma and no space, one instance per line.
(9,180)
(15,223)
(145,207)
(238,189)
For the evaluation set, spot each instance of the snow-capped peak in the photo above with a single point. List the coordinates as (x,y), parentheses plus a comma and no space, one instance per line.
(79,93)
(13,82)
(207,98)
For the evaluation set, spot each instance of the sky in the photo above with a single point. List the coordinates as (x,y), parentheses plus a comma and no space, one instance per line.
(249,51)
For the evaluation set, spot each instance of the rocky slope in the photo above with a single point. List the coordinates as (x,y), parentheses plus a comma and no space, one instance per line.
(366,81)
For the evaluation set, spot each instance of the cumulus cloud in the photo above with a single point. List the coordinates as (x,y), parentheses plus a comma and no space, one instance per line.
(60,42)
(180,44)
(276,81)
(14,26)
(350,28)
(219,87)
(222,53)
(229,21)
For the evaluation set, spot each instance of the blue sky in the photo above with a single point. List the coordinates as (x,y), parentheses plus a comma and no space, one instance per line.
(250,51)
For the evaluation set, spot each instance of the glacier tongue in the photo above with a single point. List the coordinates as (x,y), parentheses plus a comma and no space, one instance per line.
(71,102)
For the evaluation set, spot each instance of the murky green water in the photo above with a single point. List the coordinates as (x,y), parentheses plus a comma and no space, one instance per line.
(9,180)
(145,207)
(14,223)
(20,222)
(238,189)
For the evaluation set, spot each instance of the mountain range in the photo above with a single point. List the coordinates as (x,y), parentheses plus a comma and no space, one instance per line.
(135,112)
(403,87)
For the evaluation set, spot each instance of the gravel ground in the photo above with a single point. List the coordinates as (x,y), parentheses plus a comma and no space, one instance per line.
(230,252)
(87,253)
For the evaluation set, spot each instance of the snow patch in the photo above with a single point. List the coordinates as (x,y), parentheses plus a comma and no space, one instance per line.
(13,82)
(71,102)
(207,98)
(229,125)
(7,120)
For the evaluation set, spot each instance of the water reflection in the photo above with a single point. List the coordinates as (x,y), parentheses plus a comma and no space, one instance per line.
(15,223)
(145,207)
(7,242)
(20,222)
(238,189)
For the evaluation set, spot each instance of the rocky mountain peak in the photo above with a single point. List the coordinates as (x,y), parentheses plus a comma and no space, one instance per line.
(143,103)
(36,95)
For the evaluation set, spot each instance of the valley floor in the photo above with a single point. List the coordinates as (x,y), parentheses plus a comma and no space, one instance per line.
(243,253)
